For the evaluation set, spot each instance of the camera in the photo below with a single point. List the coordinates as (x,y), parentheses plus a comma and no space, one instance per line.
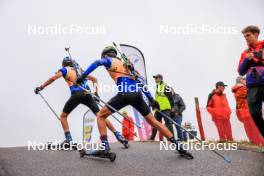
(258,54)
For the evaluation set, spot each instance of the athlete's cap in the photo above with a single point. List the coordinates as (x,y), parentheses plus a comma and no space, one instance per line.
(220,83)
(158,76)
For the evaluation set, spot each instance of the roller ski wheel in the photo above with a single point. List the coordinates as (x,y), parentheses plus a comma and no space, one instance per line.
(186,155)
(98,154)
(82,153)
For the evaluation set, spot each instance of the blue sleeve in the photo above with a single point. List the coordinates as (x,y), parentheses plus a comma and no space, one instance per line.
(105,62)
(244,66)
(63,71)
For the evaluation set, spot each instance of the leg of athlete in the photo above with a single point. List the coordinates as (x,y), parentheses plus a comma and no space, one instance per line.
(102,121)
(158,125)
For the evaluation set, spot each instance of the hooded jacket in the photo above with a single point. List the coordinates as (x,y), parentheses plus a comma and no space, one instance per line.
(253,69)
(240,93)
(217,105)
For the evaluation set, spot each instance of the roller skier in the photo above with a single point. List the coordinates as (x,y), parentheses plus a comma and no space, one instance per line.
(70,71)
(128,94)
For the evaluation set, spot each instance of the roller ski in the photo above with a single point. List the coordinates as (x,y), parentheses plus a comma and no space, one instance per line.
(98,154)
(101,153)
(121,139)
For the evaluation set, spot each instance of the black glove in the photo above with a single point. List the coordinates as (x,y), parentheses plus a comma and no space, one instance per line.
(38,89)
(154,104)
(80,79)
(95,98)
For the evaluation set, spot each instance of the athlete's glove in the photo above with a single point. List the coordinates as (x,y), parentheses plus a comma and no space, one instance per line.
(154,104)
(38,89)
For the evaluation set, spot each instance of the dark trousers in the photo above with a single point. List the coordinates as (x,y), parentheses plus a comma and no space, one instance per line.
(178,120)
(168,124)
(255,98)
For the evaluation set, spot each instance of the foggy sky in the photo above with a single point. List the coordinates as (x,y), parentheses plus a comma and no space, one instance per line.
(191,63)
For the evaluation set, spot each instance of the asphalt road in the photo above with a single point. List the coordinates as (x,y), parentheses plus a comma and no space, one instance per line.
(141,159)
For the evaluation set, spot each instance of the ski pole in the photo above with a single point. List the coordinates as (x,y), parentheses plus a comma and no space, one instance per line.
(53,111)
(214,151)
(120,122)
(108,105)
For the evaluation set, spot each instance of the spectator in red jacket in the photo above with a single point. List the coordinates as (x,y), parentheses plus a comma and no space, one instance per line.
(252,65)
(240,93)
(128,127)
(217,106)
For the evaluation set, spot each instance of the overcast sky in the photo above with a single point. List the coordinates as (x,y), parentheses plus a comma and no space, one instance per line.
(168,32)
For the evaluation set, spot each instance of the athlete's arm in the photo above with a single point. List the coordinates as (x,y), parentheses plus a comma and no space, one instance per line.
(209,105)
(94,81)
(244,64)
(102,62)
(58,74)
(51,79)
(107,62)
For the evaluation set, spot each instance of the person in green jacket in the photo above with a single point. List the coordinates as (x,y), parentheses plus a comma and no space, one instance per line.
(165,99)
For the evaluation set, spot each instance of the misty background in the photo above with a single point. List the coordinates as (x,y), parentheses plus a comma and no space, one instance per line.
(190,62)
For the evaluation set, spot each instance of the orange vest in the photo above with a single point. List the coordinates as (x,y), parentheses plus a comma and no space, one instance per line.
(118,69)
(71,76)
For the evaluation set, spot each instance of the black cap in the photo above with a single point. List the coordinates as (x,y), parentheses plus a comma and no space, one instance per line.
(158,76)
(220,83)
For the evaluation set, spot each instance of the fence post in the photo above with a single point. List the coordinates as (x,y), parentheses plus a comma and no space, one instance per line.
(199,118)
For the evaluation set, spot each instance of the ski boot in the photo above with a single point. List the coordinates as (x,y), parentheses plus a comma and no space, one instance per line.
(121,139)
(185,153)
(101,153)
(180,150)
